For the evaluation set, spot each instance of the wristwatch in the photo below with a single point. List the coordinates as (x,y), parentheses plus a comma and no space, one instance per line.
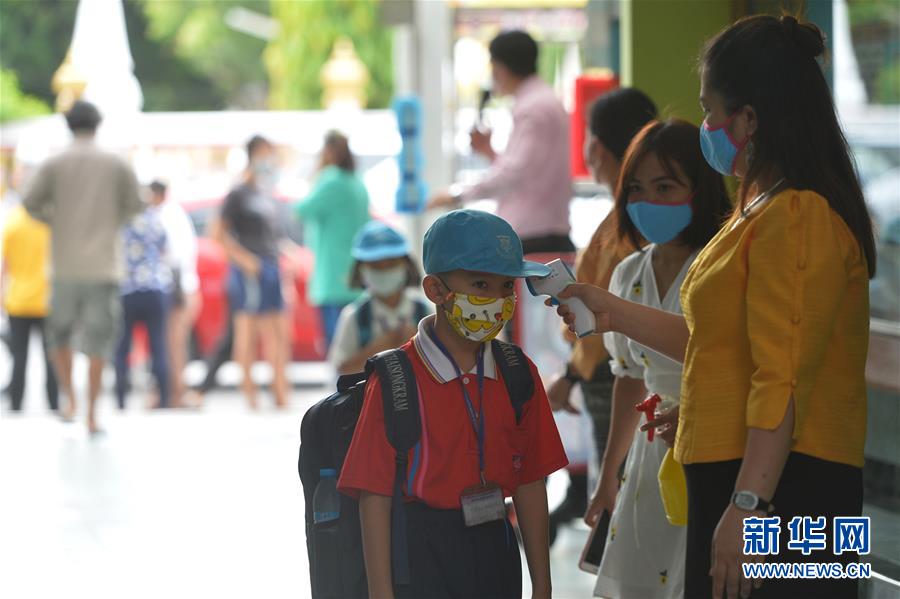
(571,375)
(751,502)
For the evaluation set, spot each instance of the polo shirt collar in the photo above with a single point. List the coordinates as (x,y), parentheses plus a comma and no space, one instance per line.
(440,367)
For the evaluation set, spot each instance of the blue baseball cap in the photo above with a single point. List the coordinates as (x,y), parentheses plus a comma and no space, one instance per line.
(477,241)
(377,241)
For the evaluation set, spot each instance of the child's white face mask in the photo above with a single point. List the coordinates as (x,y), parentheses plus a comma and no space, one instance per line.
(480,318)
(384,282)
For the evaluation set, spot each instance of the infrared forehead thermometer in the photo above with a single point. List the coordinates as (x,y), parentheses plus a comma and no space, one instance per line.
(559,278)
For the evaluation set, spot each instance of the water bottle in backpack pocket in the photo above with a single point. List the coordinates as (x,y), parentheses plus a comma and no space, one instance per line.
(326,500)
(326,532)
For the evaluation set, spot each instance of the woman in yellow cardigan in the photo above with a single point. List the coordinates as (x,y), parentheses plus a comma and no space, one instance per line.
(775,327)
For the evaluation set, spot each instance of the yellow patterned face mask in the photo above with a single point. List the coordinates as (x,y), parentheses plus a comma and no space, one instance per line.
(480,318)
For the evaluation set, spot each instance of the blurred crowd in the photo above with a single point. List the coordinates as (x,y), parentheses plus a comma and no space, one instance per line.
(92,260)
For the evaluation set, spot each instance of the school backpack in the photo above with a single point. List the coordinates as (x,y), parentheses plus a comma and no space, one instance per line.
(364,316)
(336,565)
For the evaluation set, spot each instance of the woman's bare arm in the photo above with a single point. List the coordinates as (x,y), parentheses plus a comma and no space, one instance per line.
(659,330)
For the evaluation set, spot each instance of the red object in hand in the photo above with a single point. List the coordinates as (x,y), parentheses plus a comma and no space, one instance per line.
(648,407)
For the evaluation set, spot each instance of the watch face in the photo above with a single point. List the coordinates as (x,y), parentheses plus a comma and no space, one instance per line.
(745,500)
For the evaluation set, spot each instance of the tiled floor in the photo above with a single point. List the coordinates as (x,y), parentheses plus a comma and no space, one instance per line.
(168,505)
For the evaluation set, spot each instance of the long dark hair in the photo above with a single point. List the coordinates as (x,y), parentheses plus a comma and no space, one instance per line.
(676,142)
(770,63)
(340,151)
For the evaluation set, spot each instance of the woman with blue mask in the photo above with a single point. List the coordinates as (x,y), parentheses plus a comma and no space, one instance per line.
(775,334)
(669,196)
(615,118)
(387,314)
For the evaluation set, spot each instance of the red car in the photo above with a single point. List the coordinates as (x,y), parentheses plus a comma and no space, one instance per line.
(308,342)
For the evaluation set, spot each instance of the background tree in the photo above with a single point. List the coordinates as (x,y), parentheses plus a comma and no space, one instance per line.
(185,56)
(307,32)
(17,105)
(169,81)
(875,29)
(197,35)
(34,38)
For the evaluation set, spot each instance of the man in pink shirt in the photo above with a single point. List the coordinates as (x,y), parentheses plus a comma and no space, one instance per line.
(531,179)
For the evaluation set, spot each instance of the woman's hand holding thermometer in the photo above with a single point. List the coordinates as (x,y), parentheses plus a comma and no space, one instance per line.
(583,321)
(600,302)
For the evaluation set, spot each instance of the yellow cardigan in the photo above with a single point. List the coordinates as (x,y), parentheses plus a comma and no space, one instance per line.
(777,307)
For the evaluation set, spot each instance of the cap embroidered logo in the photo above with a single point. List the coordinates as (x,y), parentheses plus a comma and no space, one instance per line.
(505,244)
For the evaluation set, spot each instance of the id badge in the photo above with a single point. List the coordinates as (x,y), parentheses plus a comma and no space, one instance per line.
(482,503)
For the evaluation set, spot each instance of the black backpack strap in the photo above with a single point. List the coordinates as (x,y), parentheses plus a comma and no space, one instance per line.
(364,320)
(516,374)
(347,381)
(400,398)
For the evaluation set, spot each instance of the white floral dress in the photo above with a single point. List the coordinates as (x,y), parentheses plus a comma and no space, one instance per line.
(644,556)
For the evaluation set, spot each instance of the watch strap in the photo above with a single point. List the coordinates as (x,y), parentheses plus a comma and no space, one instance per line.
(761,504)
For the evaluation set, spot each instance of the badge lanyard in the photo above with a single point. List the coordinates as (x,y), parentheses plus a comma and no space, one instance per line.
(476,419)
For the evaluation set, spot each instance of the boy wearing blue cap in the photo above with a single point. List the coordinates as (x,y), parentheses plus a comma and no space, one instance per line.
(475,447)
(386,315)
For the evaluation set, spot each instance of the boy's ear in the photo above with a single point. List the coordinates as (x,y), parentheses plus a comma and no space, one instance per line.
(435,290)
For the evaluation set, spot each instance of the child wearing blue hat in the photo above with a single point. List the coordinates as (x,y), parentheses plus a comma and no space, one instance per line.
(386,315)
(478,445)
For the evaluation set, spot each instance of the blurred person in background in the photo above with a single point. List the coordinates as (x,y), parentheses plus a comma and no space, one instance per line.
(387,315)
(9,199)
(184,301)
(250,230)
(333,213)
(531,179)
(86,195)
(25,291)
(146,294)
(221,353)
(289,295)
(9,195)
(614,119)
(224,348)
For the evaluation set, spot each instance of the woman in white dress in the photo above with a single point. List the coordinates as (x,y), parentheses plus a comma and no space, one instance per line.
(669,196)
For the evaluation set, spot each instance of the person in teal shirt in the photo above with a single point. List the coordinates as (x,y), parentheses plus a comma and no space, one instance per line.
(334,211)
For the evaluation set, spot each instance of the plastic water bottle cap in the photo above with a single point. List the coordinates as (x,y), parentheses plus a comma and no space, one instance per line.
(326,472)
(322,517)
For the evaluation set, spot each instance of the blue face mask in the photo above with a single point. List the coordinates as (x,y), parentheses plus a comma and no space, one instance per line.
(660,223)
(719,148)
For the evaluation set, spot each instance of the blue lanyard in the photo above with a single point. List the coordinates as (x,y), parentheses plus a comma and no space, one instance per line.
(476,419)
